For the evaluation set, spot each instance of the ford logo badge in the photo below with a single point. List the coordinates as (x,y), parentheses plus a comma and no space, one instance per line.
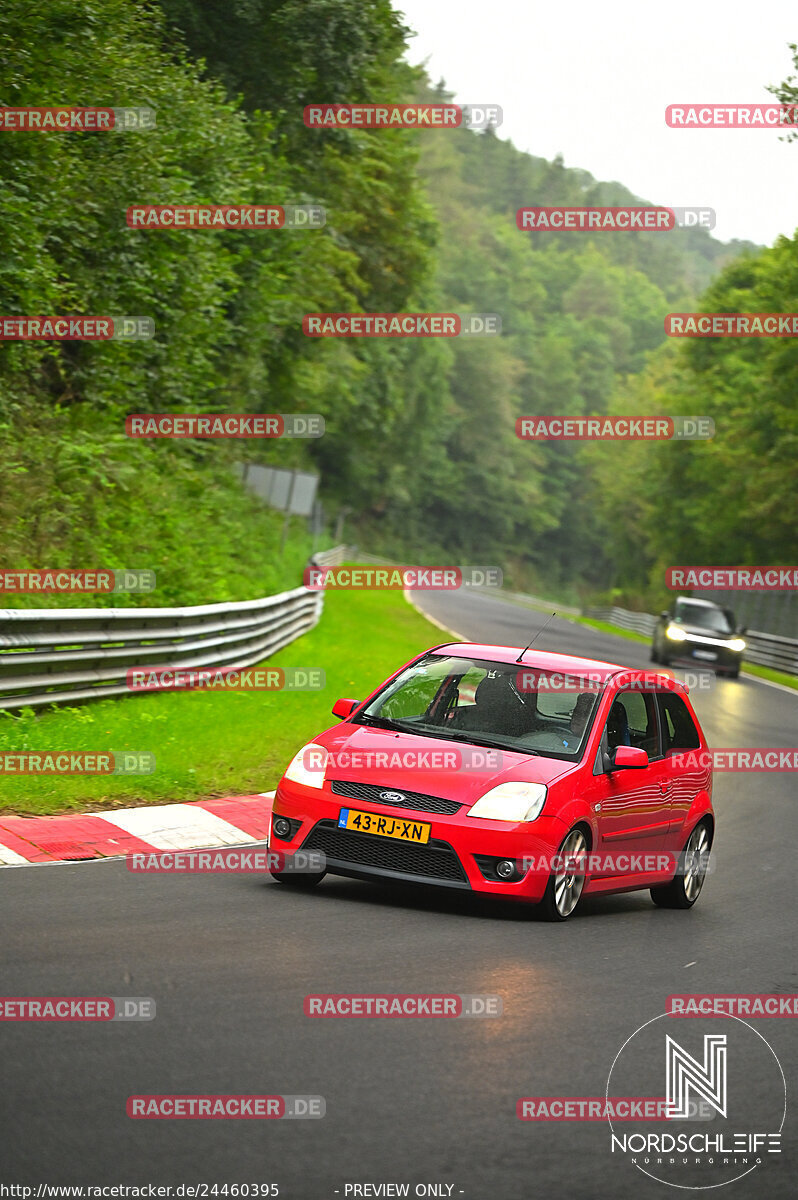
(392,797)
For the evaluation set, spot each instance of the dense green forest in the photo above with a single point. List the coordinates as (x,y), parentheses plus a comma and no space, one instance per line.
(420,444)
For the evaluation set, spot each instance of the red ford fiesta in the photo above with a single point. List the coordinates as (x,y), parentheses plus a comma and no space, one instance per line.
(536,777)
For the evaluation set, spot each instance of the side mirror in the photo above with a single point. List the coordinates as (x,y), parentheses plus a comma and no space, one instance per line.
(344,708)
(626,758)
(741,630)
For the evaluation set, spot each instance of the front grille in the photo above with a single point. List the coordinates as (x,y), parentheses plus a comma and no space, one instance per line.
(436,860)
(370,792)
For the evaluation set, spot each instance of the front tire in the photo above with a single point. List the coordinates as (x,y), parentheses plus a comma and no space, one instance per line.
(685,887)
(564,889)
(298,879)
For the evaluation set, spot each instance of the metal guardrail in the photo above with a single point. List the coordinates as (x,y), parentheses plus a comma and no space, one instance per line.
(636,622)
(764,649)
(51,656)
(331,558)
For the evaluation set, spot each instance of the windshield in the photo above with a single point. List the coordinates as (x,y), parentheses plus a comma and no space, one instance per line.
(487,703)
(705,618)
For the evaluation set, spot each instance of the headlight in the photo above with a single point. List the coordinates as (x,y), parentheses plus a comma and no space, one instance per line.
(510,802)
(308,766)
(675,633)
(737,644)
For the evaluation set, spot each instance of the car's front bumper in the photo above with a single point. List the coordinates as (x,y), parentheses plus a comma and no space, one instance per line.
(458,855)
(716,656)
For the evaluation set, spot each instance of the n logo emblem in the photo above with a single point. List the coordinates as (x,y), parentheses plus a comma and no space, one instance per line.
(684,1073)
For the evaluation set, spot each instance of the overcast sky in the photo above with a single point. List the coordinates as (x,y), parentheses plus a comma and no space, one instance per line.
(590,79)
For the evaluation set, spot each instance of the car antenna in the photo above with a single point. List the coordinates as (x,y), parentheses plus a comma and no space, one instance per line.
(543,626)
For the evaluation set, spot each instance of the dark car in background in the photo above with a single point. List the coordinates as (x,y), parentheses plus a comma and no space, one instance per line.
(698,631)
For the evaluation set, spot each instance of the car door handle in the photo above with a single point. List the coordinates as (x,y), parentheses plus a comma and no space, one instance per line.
(665,786)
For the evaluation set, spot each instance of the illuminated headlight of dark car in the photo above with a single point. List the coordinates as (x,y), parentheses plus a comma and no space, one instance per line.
(511,802)
(737,645)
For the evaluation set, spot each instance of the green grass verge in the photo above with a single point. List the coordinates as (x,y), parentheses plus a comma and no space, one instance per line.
(790,681)
(606,627)
(217,743)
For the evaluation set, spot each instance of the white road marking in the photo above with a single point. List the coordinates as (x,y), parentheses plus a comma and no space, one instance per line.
(452,632)
(10,858)
(770,683)
(176,827)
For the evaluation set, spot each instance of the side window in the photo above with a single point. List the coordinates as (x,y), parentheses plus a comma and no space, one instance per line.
(633,722)
(678,729)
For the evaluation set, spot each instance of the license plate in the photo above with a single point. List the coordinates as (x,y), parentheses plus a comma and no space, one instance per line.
(709,655)
(393,827)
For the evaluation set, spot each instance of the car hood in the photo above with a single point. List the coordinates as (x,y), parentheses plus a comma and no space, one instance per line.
(355,750)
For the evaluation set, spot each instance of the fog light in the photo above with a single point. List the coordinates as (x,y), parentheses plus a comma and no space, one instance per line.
(505,869)
(281,828)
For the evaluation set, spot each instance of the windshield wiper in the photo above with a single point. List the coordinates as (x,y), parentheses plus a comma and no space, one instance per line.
(385,723)
(477,741)
(438,731)
(465,735)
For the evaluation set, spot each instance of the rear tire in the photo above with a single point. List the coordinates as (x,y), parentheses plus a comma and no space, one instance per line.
(685,887)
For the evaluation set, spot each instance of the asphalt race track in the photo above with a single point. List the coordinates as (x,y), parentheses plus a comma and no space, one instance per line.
(229,959)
